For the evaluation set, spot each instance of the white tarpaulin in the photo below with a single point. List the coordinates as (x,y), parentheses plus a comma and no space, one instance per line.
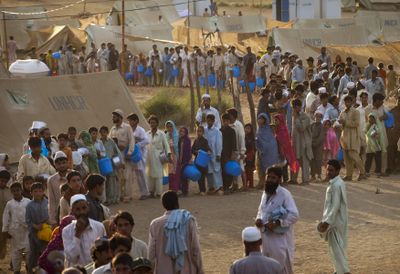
(296,40)
(136,44)
(324,23)
(237,24)
(388,23)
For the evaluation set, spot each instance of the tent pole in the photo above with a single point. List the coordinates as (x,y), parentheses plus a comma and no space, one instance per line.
(5,37)
(188,23)
(123,25)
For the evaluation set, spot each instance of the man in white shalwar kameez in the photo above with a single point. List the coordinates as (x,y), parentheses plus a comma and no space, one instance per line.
(333,226)
(276,216)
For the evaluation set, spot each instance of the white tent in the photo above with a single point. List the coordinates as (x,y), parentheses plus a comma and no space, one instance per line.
(29,68)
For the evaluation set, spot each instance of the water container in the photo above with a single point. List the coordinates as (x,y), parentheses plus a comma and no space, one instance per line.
(389,122)
(128,76)
(232,168)
(56,55)
(242,83)
(148,72)
(136,154)
(221,84)
(236,71)
(202,81)
(260,82)
(252,86)
(211,79)
(192,172)
(105,166)
(165,180)
(45,151)
(44,234)
(340,156)
(175,72)
(202,158)
(140,68)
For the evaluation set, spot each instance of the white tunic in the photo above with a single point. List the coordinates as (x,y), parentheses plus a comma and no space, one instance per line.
(279,246)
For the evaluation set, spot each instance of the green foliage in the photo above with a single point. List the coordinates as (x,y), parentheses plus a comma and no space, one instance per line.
(174,104)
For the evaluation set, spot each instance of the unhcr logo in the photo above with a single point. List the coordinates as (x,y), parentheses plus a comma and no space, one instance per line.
(17,98)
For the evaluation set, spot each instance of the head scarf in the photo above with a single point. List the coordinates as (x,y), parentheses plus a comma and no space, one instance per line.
(92,160)
(55,244)
(379,145)
(285,143)
(185,149)
(266,144)
(331,140)
(2,159)
(174,137)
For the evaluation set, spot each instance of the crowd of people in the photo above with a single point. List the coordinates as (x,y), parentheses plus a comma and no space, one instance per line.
(324,115)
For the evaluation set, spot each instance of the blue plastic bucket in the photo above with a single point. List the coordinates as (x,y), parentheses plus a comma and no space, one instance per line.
(140,68)
(252,86)
(202,158)
(232,168)
(260,82)
(136,154)
(56,55)
(175,72)
(236,71)
(191,172)
(340,156)
(128,76)
(105,166)
(165,180)
(211,79)
(389,122)
(148,72)
(242,83)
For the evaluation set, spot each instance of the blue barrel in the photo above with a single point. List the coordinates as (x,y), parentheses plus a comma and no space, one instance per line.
(232,168)
(202,158)
(211,79)
(165,180)
(140,68)
(148,72)
(260,82)
(236,71)
(105,166)
(128,76)
(56,55)
(202,81)
(252,86)
(242,83)
(192,172)
(389,122)
(175,72)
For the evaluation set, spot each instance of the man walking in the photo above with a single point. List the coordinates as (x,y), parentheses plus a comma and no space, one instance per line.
(254,262)
(276,217)
(173,240)
(333,226)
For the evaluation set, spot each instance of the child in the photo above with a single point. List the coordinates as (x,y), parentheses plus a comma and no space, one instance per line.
(201,143)
(185,155)
(228,150)
(250,160)
(27,183)
(318,137)
(65,191)
(5,196)
(74,181)
(331,142)
(15,227)
(374,148)
(36,216)
(62,143)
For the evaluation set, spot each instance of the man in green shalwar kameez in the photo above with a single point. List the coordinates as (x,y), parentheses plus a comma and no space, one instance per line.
(333,226)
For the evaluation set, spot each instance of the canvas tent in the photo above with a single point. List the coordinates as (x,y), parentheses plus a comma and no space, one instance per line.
(297,40)
(387,23)
(82,100)
(388,5)
(53,37)
(236,24)
(98,35)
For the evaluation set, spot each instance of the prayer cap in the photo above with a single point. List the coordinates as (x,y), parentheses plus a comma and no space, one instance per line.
(38,125)
(60,155)
(324,71)
(206,96)
(350,85)
(319,112)
(141,263)
(118,112)
(77,198)
(324,65)
(322,90)
(251,234)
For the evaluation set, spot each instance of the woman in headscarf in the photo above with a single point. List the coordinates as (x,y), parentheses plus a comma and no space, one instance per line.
(285,146)
(4,165)
(173,139)
(185,155)
(91,158)
(55,244)
(267,147)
